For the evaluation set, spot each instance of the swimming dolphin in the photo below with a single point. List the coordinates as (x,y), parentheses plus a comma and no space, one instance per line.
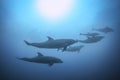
(91,34)
(74,48)
(53,43)
(92,39)
(40,58)
(104,30)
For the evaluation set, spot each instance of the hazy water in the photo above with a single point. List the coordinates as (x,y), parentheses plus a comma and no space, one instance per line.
(95,61)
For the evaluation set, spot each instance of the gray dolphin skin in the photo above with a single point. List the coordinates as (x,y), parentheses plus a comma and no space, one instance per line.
(53,43)
(90,34)
(92,39)
(105,30)
(40,58)
(74,48)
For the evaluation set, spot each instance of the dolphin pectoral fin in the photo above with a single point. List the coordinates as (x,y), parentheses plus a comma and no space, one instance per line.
(64,48)
(27,42)
(50,64)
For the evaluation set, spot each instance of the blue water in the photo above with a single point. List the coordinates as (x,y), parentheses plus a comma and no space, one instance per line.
(94,62)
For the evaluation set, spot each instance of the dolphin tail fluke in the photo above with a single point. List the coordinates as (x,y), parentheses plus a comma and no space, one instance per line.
(27,42)
(64,49)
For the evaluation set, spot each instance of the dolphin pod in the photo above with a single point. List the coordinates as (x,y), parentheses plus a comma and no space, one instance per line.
(64,45)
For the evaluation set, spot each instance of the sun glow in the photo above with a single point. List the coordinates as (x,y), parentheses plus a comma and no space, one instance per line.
(54,9)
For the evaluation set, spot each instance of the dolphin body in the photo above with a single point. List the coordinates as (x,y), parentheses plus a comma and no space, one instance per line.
(92,39)
(91,34)
(40,58)
(105,30)
(74,48)
(53,44)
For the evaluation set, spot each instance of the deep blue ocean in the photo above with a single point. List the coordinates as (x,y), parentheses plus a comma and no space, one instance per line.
(96,61)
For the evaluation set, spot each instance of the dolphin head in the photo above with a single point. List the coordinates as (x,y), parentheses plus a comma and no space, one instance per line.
(58,61)
(24,59)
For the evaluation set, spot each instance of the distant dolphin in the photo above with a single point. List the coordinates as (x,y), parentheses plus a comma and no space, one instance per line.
(53,43)
(92,39)
(104,30)
(42,59)
(91,34)
(74,48)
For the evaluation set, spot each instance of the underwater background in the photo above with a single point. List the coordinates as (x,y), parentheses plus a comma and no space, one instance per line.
(96,61)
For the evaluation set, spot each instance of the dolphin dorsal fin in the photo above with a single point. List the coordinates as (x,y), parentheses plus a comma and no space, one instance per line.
(49,38)
(40,54)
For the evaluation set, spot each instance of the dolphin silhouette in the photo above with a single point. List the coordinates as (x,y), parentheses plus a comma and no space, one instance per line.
(92,39)
(53,43)
(104,30)
(74,48)
(90,34)
(40,58)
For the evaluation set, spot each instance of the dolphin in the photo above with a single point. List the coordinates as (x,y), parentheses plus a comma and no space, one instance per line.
(74,48)
(92,39)
(104,30)
(40,58)
(91,34)
(53,43)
